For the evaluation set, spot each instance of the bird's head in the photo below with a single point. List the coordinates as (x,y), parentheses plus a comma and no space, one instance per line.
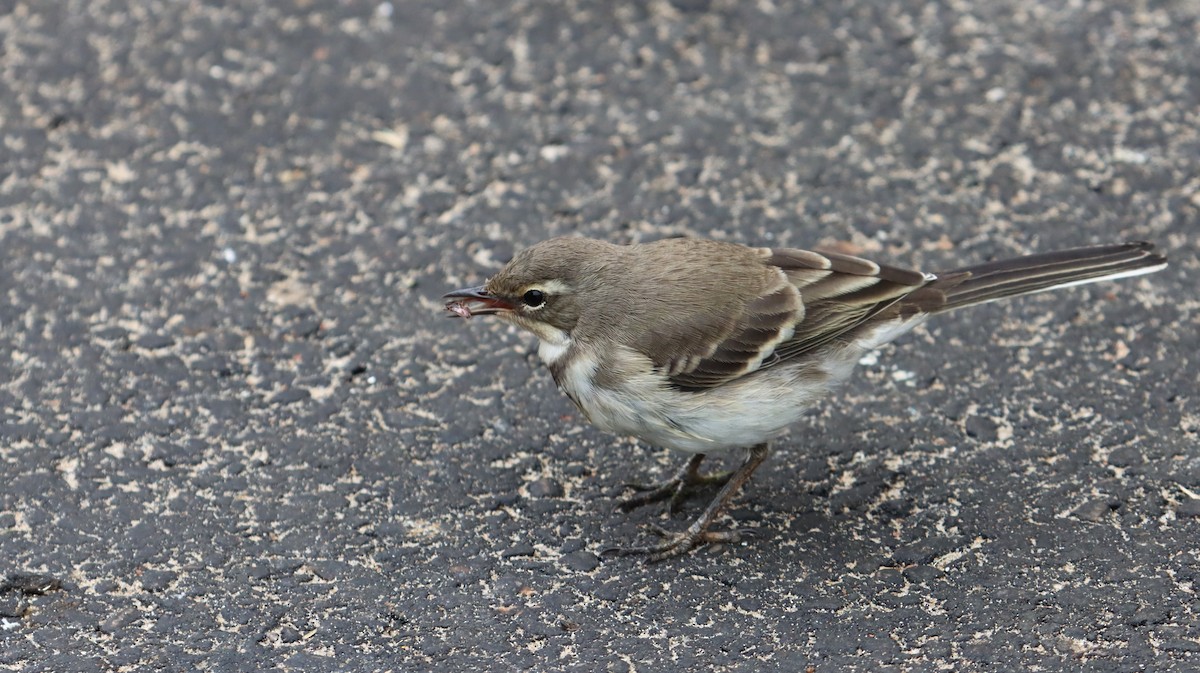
(544,289)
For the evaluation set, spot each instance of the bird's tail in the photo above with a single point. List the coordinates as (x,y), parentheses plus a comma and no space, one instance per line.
(1048,271)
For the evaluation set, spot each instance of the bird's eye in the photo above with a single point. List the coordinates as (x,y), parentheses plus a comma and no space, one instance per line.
(534,298)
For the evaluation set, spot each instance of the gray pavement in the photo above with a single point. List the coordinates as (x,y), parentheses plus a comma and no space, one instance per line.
(238,434)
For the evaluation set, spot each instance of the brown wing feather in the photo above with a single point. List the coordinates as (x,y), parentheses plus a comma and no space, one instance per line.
(765,322)
(822,296)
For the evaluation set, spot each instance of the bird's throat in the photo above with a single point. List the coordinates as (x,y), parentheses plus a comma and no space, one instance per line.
(553,346)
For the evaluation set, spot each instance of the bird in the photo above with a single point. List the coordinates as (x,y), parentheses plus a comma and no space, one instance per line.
(711,347)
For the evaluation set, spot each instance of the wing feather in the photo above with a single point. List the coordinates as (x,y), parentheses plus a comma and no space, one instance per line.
(820,297)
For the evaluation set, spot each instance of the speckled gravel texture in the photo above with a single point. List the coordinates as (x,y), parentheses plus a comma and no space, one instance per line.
(238,433)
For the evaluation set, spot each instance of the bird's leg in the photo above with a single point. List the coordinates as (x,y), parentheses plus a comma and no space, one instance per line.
(698,534)
(676,489)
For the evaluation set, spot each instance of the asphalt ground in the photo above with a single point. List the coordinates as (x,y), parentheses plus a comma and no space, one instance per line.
(238,433)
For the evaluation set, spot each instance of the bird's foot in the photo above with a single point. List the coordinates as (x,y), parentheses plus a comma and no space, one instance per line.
(686,482)
(678,544)
(697,534)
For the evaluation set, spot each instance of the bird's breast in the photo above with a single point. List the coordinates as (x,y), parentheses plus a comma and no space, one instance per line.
(620,391)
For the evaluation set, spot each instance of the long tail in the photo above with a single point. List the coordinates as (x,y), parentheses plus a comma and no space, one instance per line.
(1049,271)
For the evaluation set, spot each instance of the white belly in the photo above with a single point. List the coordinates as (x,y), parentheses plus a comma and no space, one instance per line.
(739,414)
(629,398)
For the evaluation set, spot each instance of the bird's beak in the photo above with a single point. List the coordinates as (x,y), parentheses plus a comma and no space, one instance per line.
(474,301)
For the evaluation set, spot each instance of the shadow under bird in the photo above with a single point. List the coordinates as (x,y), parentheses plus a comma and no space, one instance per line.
(706,347)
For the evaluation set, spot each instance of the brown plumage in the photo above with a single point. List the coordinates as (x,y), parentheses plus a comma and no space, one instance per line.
(705,346)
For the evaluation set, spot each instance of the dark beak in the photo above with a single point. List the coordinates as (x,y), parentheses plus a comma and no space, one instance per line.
(471,301)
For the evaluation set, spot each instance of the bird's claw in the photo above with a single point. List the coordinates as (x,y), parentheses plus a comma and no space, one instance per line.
(675,490)
(672,490)
(678,544)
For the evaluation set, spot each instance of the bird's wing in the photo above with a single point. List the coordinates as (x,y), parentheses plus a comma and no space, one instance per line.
(820,297)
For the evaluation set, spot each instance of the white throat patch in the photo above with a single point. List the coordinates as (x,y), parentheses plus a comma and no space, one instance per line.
(553,345)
